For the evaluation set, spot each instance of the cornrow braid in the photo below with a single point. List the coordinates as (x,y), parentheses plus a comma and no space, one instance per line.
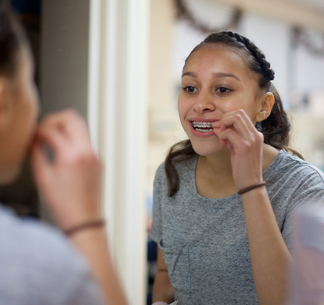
(257,53)
(275,128)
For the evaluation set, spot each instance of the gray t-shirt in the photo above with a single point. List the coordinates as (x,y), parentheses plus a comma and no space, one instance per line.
(204,240)
(40,267)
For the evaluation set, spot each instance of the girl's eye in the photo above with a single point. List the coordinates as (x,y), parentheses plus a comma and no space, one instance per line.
(223,90)
(190,89)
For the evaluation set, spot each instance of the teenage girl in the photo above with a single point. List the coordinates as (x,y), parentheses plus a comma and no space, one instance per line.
(224,198)
(38,264)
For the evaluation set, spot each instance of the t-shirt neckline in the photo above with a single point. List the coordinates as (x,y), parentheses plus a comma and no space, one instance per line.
(266,173)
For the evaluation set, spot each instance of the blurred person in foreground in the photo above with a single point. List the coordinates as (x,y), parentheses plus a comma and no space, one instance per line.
(40,265)
(307,273)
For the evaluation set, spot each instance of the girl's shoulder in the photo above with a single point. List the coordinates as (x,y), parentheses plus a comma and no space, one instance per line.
(182,174)
(290,170)
(286,161)
(182,167)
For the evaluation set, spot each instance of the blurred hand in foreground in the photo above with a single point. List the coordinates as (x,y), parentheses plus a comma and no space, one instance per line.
(68,175)
(66,169)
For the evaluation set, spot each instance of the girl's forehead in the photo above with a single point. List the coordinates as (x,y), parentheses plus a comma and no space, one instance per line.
(215,51)
(218,56)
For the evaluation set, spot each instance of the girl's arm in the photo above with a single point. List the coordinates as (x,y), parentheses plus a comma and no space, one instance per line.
(94,246)
(162,289)
(70,182)
(269,255)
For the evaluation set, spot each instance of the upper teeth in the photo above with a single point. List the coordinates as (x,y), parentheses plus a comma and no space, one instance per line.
(202,124)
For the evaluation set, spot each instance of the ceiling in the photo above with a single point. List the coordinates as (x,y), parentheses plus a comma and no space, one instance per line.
(316,4)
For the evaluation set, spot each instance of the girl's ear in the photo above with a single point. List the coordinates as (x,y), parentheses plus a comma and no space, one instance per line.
(267,103)
(6,106)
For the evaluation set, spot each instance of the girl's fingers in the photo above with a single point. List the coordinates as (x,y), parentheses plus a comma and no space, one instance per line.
(237,142)
(63,131)
(238,120)
(231,138)
(39,163)
(218,130)
(76,128)
(53,137)
(242,115)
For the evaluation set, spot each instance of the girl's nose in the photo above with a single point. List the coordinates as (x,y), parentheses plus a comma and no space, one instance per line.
(204,103)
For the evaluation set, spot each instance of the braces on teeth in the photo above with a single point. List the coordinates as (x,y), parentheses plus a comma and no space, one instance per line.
(202,124)
(206,125)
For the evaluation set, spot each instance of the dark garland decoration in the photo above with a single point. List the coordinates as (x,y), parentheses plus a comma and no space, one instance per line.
(300,38)
(183,12)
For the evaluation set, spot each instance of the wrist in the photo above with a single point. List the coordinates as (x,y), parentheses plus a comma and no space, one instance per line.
(90,238)
(67,219)
(254,196)
(252,187)
(85,226)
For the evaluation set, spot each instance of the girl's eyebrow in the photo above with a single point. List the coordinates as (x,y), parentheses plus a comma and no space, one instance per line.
(222,75)
(216,75)
(192,74)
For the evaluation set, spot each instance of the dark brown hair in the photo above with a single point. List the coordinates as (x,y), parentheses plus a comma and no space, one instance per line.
(12,39)
(275,128)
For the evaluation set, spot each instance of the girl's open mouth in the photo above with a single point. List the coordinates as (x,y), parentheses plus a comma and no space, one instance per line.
(202,126)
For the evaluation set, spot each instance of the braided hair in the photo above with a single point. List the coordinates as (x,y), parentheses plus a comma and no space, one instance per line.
(256,58)
(275,128)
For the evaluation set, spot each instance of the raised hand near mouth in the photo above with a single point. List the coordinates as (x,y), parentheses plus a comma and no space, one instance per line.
(70,179)
(236,131)
(70,183)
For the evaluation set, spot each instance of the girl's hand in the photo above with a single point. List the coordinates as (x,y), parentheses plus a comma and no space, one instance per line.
(70,182)
(236,131)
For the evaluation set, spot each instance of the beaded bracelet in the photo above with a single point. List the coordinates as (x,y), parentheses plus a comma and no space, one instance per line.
(251,187)
(87,225)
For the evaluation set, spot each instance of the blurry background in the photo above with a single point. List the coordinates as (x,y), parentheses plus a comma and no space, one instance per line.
(119,63)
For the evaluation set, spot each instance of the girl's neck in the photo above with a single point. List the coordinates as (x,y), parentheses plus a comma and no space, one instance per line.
(214,177)
(218,165)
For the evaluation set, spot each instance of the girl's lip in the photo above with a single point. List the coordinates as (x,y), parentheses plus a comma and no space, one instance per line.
(202,120)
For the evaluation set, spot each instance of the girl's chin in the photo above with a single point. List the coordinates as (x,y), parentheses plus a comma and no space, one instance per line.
(208,150)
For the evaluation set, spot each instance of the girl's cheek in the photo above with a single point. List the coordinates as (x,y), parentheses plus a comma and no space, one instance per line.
(229,107)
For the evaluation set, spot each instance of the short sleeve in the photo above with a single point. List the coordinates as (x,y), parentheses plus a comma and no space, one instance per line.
(309,191)
(157,226)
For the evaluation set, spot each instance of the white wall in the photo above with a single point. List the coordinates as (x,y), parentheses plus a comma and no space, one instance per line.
(273,38)
(310,68)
